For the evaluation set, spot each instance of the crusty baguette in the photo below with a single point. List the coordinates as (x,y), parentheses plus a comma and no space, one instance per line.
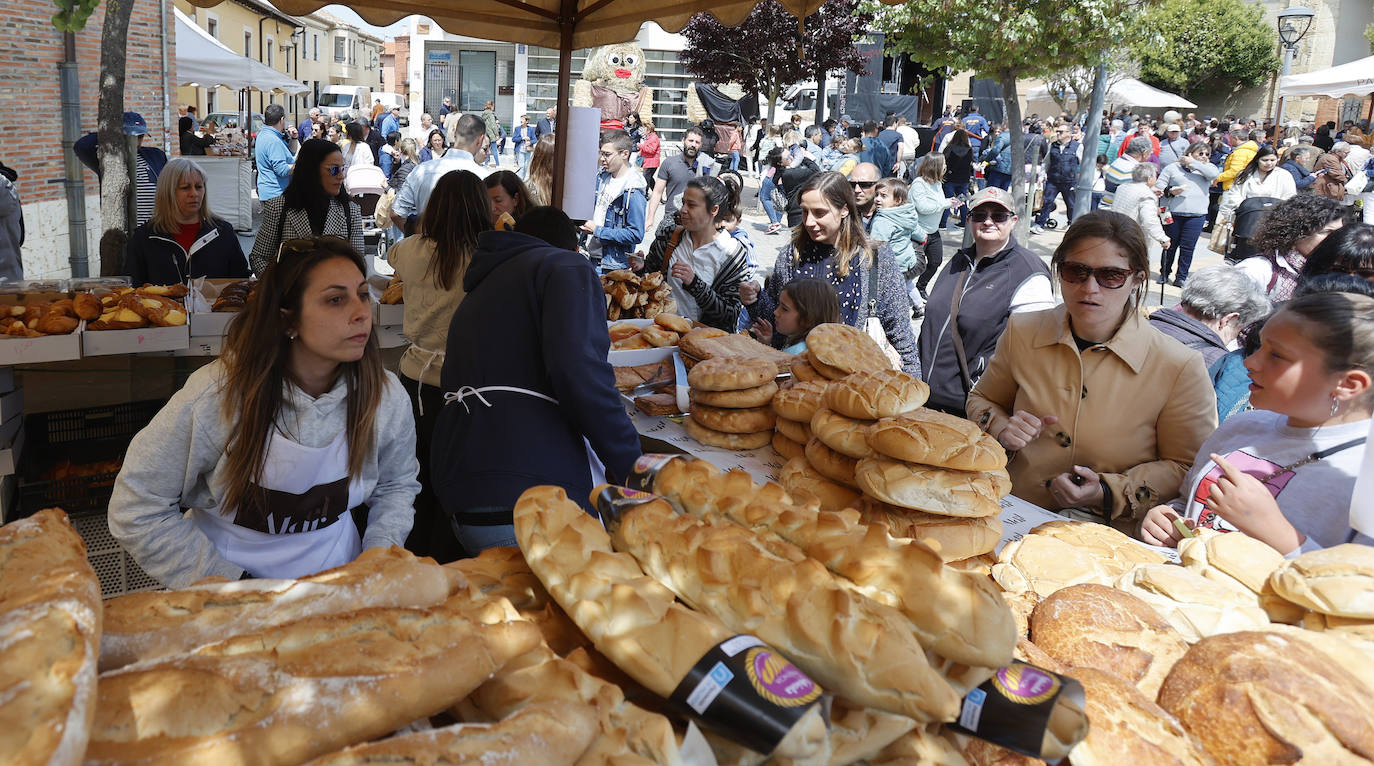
(49,637)
(503,573)
(547,733)
(627,735)
(958,615)
(630,618)
(856,647)
(301,690)
(143,626)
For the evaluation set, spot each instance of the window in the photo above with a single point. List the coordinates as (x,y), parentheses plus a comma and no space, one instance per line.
(248,43)
(353,52)
(210,99)
(270,45)
(317,46)
(339,50)
(212,26)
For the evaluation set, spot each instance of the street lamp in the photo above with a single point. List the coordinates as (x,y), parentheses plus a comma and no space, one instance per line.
(1294,24)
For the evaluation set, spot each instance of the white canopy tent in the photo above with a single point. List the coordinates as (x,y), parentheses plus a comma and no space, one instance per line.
(1355,78)
(1128,92)
(205,62)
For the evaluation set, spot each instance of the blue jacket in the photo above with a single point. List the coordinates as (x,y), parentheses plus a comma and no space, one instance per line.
(523,134)
(552,342)
(274,163)
(1302,177)
(876,153)
(1232,383)
(623,227)
(977,126)
(85,150)
(388,124)
(1000,153)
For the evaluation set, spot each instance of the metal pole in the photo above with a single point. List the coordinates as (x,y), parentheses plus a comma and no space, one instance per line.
(1287,70)
(72,182)
(1087,169)
(566,21)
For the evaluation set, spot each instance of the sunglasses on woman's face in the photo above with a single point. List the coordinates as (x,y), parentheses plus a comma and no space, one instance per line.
(334,170)
(1106,276)
(999,216)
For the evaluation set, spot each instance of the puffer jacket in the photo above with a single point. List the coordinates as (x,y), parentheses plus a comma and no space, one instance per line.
(899,226)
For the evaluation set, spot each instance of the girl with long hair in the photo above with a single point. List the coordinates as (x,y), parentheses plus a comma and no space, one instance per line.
(649,149)
(803,303)
(831,244)
(958,172)
(183,239)
(277,446)
(540,180)
(409,159)
(431,265)
(509,196)
(354,147)
(1261,178)
(313,205)
(704,264)
(1288,233)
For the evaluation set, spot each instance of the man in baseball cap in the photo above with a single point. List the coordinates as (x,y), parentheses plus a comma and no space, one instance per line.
(1173,147)
(995,277)
(148,163)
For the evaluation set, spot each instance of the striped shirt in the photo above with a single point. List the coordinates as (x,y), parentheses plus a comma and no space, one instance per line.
(146,192)
(1116,174)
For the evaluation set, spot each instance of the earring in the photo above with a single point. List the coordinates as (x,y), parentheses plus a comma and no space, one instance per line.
(1335,405)
(290,335)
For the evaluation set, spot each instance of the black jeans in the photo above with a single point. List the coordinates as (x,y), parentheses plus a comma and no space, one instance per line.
(432,535)
(935,254)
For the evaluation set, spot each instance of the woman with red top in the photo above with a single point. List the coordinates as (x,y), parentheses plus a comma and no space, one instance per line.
(183,240)
(649,149)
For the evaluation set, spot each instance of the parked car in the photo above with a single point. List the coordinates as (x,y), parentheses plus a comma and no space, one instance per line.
(394,99)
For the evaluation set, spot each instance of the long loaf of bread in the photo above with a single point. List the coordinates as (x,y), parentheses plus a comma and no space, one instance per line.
(630,618)
(49,638)
(546,733)
(958,615)
(297,691)
(853,646)
(142,626)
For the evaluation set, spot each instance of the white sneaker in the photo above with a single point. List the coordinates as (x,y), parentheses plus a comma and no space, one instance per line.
(1037,229)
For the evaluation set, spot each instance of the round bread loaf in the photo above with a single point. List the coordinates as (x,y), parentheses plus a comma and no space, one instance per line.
(1196,606)
(710,438)
(758,396)
(933,490)
(801,480)
(742,421)
(957,537)
(786,448)
(844,435)
(673,322)
(1102,541)
(1128,727)
(1337,580)
(845,348)
(801,401)
(731,374)
(831,464)
(804,372)
(1239,556)
(826,371)
(1262,698)
(873,394)
(934,438)
(1096,626)
(797,432)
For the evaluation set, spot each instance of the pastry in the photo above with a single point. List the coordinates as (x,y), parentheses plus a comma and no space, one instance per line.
(955,537)
(831,464)
(673,322)
(730,374)
(844,435)
(734,421)
(797,432)
(712,438)
(788,449)
(1337,581)
(873,394)
(801,401)
(802,370)
(801,480)
(758,396)
(845,348)
(933,490)
(934,438)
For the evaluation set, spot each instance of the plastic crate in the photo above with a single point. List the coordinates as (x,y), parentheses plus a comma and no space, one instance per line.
(117,570)
(82,436)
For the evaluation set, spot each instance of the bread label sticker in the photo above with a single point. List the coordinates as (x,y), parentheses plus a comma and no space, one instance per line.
(1015,708)
(612,502)
(973,709)
(745,691)
(1025,684)
(646,469)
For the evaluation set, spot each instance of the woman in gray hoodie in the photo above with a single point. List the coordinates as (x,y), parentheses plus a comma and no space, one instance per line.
(1185,187)
(278,447)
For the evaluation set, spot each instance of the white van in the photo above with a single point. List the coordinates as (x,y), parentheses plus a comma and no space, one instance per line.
(389,100)
(340,101)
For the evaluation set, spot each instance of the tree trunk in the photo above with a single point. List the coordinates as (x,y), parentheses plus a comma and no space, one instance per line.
(117,167)
(772,104)
(1018,152)
(820,96)
(1087,169)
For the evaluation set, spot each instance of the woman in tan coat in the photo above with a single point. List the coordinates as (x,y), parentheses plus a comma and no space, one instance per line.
(1331,172)
(1100,412)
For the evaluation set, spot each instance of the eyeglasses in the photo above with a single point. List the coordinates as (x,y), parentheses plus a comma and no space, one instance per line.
(1108,277)
(998,216)
(302,245)
(863,184)
(334,170)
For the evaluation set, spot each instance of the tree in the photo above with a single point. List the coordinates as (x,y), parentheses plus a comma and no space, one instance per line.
(1006,40)
(772,49)
(1203,45)
(1075,83)
(1369,35)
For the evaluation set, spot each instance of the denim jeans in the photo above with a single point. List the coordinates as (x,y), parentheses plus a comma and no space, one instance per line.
(766,199)
(524,160)
(1053,190)
(998,178)
(734,160)
(1183,234)
(475,539)
(1097,199)
(954,190)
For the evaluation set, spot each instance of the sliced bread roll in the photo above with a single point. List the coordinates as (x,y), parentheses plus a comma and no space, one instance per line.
(955,537)
(933,490)
(933,438)
(1337,581)
(873,394)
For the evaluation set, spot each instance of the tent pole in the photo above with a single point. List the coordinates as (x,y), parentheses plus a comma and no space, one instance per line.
(566,21)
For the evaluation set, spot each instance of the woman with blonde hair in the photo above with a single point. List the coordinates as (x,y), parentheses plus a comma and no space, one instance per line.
(183,239)
(831,244)
(540,181)
(409,159)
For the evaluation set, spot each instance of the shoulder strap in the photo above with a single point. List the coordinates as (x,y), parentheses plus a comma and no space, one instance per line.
(959,353)
(673,240)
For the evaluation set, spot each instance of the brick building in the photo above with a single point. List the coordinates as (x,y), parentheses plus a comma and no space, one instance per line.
(31,101)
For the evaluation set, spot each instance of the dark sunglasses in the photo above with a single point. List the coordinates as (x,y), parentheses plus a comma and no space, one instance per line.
(334,170)
(1108,277)
(302,245)
(1000,216)
(863,184)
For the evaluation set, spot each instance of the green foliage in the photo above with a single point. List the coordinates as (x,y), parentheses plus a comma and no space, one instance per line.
(1204,44)
(1369,35)
(73,14)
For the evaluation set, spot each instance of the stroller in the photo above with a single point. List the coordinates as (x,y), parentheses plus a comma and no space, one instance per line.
(366,184)
(1246,223)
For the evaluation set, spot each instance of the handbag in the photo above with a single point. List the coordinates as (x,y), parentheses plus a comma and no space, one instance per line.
(1358,182)
(1220,242)
(873,326)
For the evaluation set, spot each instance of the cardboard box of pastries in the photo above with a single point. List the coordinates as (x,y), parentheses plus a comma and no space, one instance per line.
(38,323)
(214,302)
(388,297)
(138,320)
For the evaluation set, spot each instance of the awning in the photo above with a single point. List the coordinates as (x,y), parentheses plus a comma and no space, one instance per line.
(1352,79)
(203,61)
(1128,92)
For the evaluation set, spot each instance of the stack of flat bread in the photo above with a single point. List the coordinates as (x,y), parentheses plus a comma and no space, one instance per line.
(834,350)
(795,406)
(732,402)
(704,343)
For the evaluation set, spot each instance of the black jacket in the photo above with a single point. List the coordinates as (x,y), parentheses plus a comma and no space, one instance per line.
(1191,333)
(534,318)
(1062,164)
(155,258)
(958,164)
(791,181)
(1302,177)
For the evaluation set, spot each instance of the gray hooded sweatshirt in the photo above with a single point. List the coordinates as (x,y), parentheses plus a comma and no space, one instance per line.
(177,462)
